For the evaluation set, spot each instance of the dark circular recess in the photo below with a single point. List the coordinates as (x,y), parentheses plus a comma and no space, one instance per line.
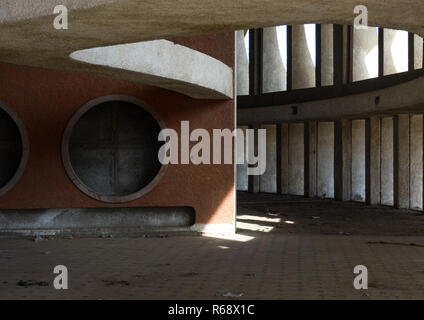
(13,149)
(112,150)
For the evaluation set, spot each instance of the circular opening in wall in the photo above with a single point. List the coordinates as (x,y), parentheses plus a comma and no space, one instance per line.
(13,148)
(110,149)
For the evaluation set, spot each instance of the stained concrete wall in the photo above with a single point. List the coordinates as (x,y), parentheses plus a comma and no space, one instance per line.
(311,140)
(325,163)
(327,55)
(274,72)
(358,160)
(242,64)
(401,160)
(285,158)
(268,181)
(296,158)
(418,52)
(387,161)
(416,162)
(372,160)
(242,179)
(343,160)
(365,53)
(303,66)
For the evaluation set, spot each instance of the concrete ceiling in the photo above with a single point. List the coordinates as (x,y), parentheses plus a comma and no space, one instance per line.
(27,35)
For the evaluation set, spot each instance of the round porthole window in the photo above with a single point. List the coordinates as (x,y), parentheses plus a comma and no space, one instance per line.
(110,149)
(13,148)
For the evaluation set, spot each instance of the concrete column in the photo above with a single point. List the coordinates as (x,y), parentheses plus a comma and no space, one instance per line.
(284,158)
(401,161)
(387,161)
(343,160)
(327,57)
(254,179)
(393,45)
(418,52)
(242,181)
(365,53)
(372,160)
(325,160)
(296,159)
(268,181)
(242,65)
(358,160)
(303,67)
(416,162)
(274,71)
(311,159)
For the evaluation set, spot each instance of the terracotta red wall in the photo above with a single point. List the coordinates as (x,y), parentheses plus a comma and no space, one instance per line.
(45,100)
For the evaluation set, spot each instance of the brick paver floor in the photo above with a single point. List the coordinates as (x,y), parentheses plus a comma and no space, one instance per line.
(285,249)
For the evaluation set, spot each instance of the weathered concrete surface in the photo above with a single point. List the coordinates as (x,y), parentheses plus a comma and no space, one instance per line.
(372,160)
(274,72)
(303,68)
(311,140)
(327,55)
(416,162)
(405,97)
(167,60)
(365,53)
(35,42)
(242,65)
(296,158)
(401,149)
(94,221)
(285,158)
(254,184)
(325,160)
(343,160)
(358,160)
(418,54)
(242,179)
(387,161)
(268,181)
(389,47)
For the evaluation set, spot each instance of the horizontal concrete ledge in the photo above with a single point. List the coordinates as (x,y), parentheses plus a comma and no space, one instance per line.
(96,221)
(167,65)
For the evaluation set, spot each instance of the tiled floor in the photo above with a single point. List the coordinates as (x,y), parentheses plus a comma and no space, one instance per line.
(257,264)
